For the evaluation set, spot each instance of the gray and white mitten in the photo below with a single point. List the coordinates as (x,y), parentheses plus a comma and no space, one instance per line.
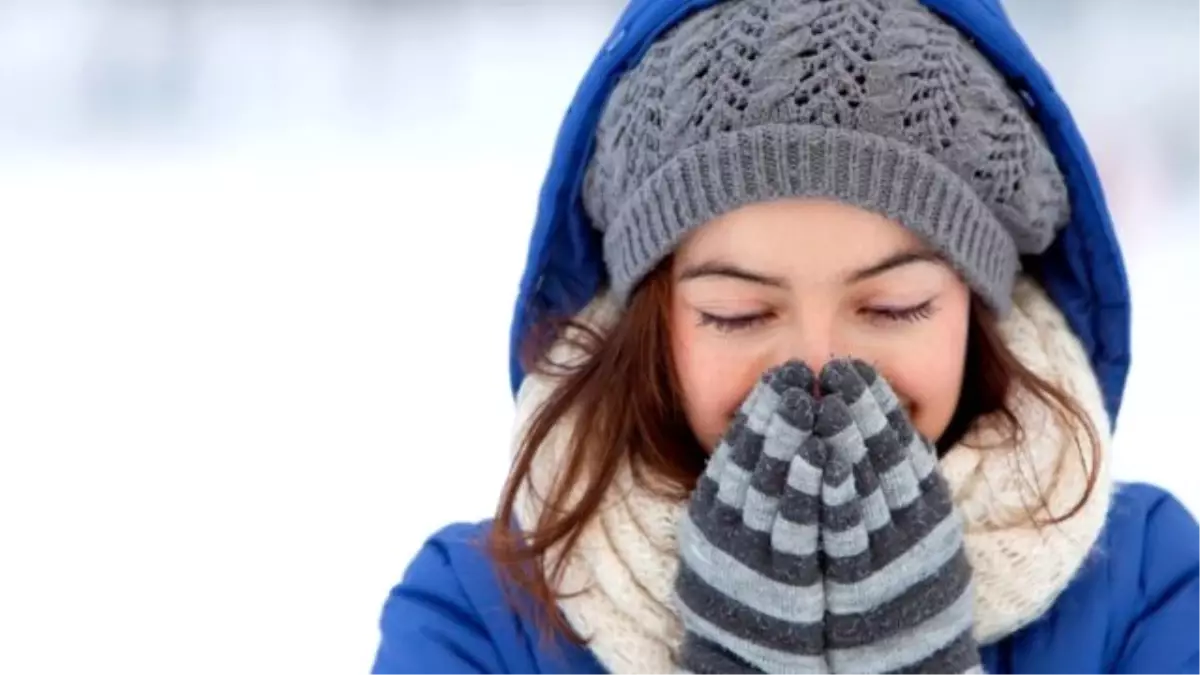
(749,589)
(897,581)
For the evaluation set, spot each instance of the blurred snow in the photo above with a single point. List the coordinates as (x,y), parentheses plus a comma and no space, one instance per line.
(257,263)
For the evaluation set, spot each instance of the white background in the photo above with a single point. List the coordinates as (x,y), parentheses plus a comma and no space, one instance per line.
(257,263)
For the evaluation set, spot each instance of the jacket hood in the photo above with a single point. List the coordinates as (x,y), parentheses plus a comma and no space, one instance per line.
(1082,272)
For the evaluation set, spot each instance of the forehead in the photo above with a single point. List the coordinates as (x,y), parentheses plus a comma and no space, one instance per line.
(806,232)
(799,225)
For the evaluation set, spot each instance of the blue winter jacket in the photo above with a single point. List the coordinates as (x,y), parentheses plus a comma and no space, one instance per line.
(1133,608)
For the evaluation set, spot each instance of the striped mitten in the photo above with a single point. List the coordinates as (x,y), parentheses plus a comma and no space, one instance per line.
(897,581)
(749,589)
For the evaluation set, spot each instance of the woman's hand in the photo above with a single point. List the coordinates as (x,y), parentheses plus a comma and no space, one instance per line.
(750,589)
(821,538)
(897,582)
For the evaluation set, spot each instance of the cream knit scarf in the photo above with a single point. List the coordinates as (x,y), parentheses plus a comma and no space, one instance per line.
(619,575)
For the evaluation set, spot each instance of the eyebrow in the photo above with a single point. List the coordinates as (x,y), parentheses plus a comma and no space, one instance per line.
(714,268)
(892,262)
(717,268)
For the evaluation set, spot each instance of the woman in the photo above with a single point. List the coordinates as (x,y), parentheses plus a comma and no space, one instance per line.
(826,329)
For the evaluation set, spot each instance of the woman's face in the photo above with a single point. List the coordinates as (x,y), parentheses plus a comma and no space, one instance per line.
(810,280)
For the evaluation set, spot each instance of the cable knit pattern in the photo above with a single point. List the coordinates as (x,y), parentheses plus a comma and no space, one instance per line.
(876,103)
(620,575)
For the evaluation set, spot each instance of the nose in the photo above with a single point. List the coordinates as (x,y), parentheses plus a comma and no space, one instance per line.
(812,341)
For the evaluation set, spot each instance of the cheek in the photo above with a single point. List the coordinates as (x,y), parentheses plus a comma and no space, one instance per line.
(927,375)
(930,392)
(714,381)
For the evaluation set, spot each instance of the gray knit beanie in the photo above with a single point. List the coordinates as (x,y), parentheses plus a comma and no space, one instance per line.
(874,103)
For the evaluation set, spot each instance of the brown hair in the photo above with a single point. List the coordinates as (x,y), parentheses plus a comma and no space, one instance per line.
(625,398)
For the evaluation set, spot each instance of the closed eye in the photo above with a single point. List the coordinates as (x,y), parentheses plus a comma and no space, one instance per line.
(728,324)
(910,314)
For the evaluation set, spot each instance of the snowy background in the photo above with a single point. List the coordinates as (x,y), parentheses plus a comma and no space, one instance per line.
(257,262)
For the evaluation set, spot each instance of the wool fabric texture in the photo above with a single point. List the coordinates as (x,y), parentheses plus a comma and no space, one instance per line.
(874,103)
